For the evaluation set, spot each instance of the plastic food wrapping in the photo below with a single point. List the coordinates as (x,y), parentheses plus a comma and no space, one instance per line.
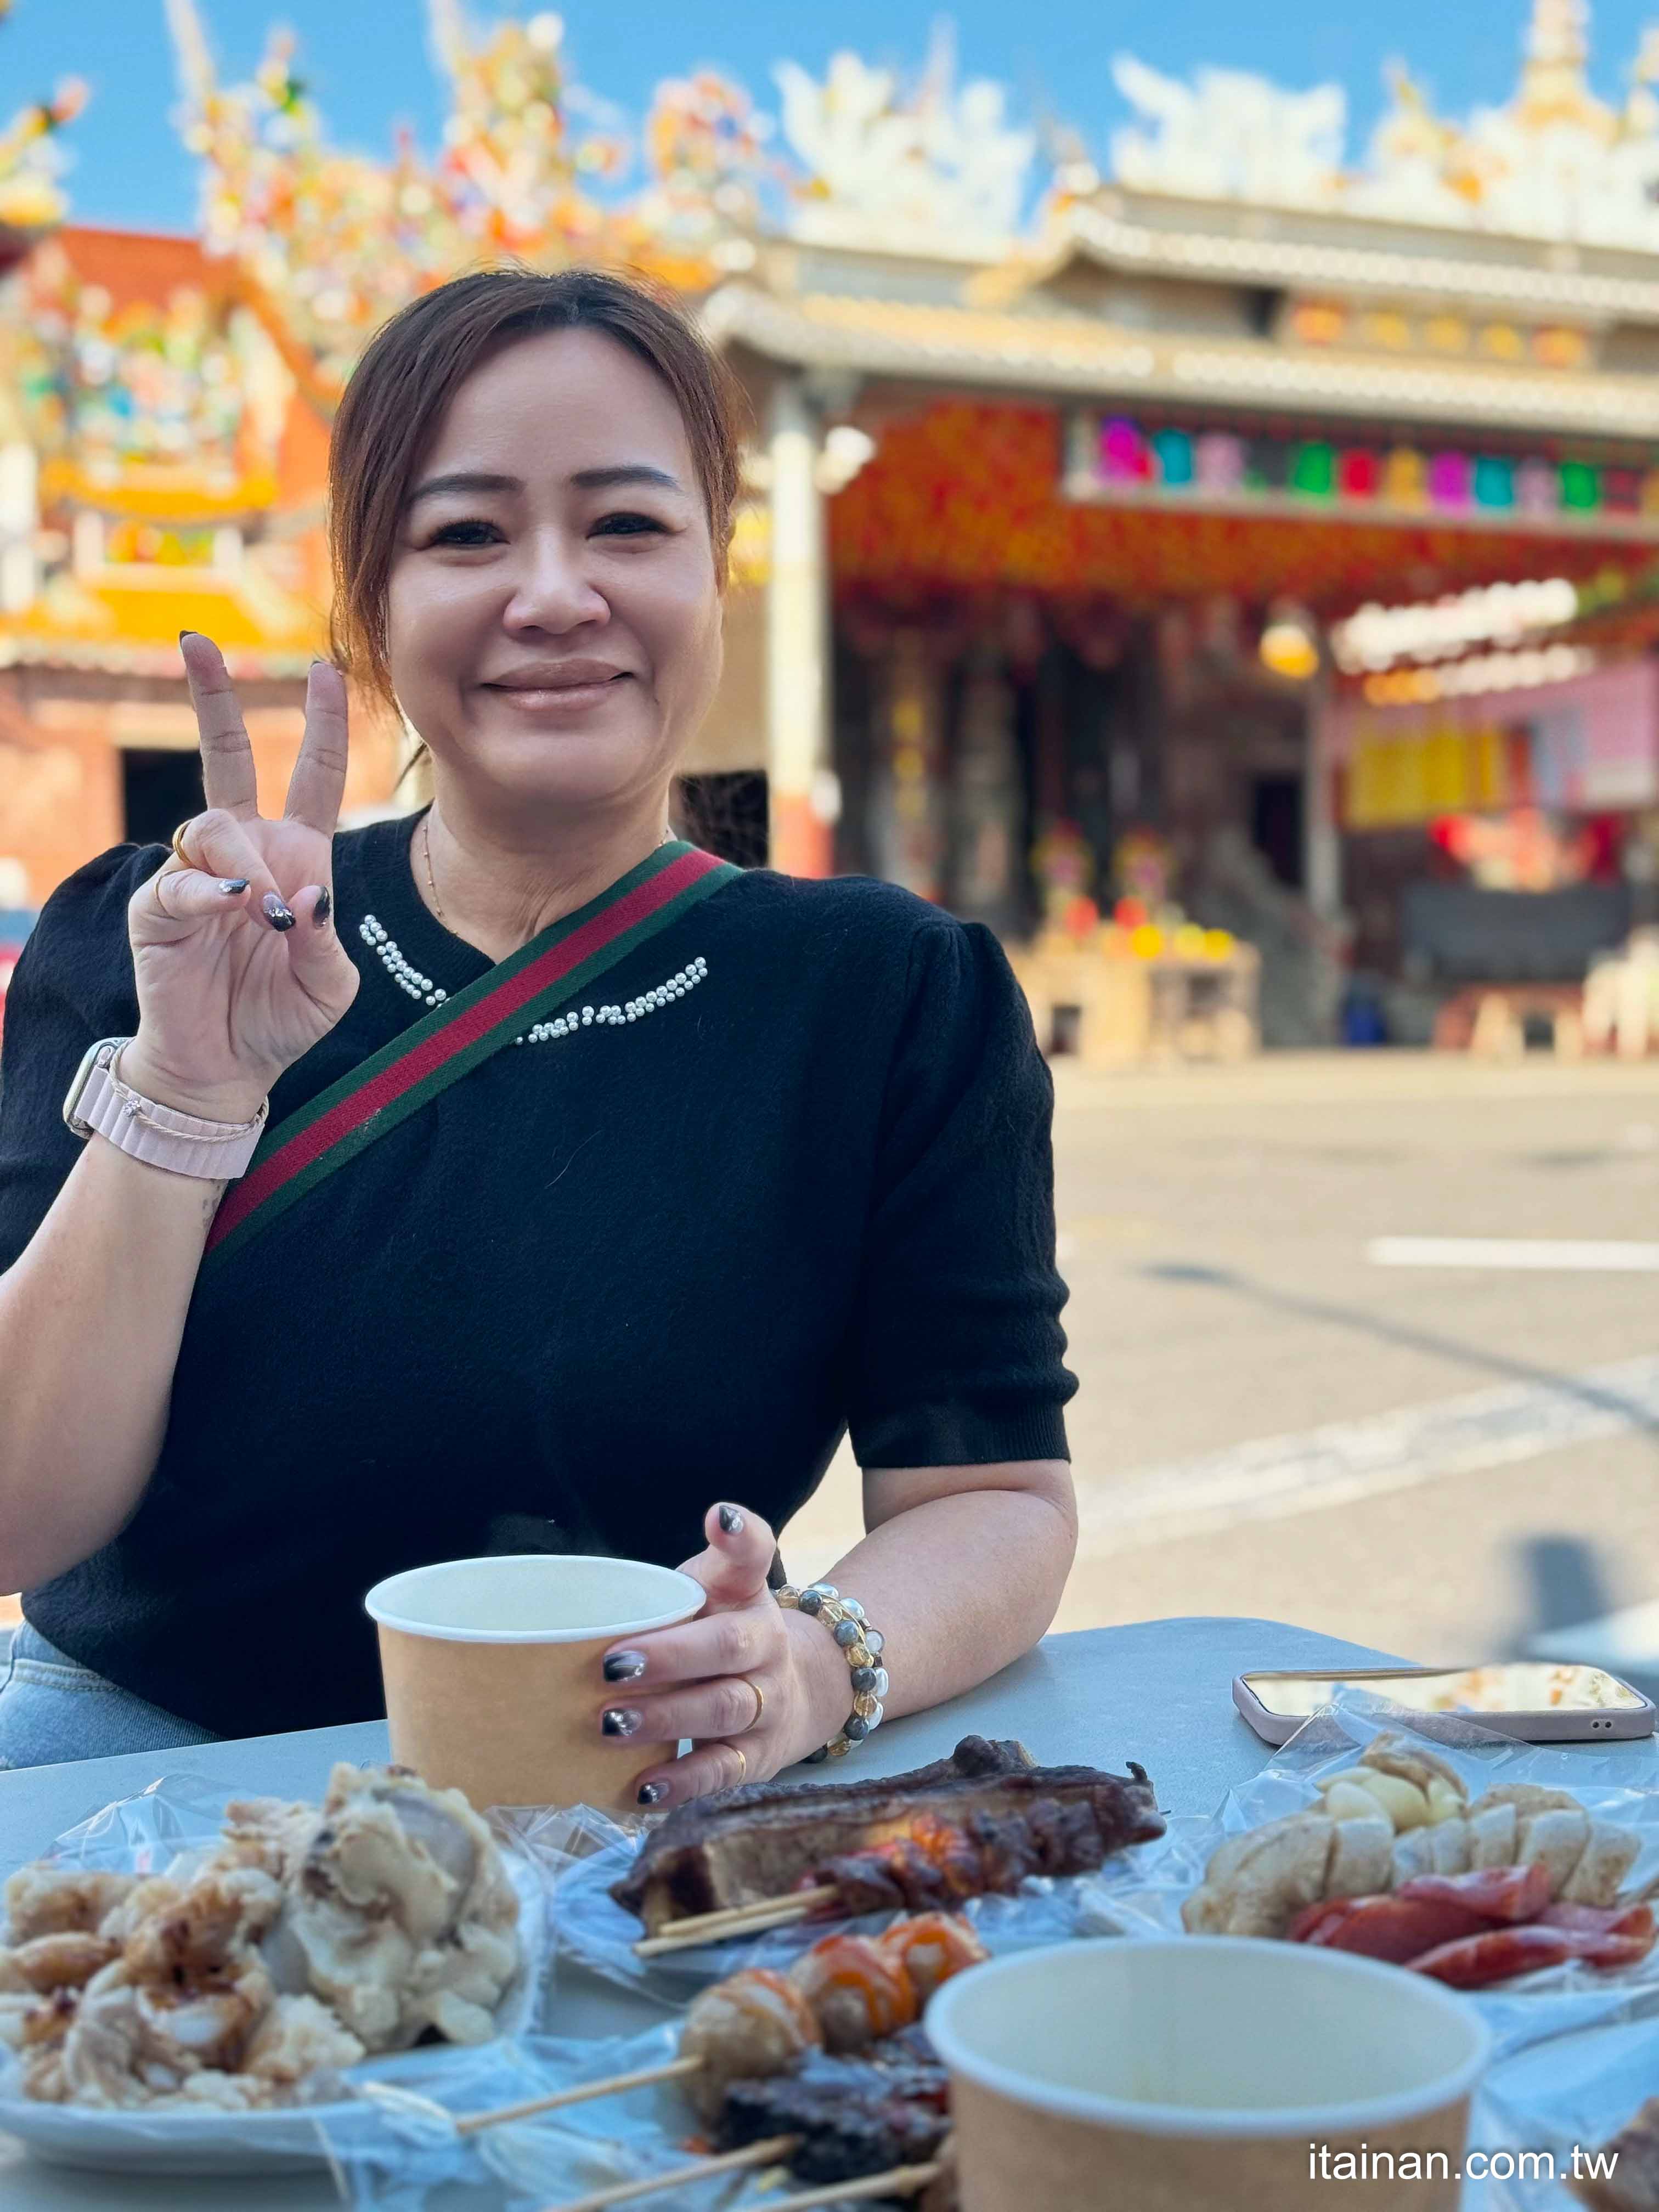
(587,1852)
(1569,2094)
(395,2143)
(143,1835)
(1142,1894)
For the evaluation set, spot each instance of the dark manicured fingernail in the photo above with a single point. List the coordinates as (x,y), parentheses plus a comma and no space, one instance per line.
(323,907)
(731,1519)
(624,1666)
(621,1720)
(653,1793)
(278,916)
(233,886)
(184,634)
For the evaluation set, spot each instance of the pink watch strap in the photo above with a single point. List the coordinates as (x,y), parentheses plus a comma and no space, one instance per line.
(165,1137)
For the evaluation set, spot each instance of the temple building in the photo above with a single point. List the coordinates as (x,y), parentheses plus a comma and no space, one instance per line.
(1220,524)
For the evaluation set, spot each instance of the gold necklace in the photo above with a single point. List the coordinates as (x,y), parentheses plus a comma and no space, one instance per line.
(426,848)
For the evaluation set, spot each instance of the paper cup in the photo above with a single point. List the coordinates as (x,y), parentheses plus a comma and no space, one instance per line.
(1204,2074)
(491,1669)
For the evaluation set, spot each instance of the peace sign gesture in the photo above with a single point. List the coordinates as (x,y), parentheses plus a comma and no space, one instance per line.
(239,967)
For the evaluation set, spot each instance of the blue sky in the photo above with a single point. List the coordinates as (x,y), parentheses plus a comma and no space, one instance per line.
(366,62)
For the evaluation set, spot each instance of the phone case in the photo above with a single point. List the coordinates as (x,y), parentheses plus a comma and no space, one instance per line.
(1585,1724)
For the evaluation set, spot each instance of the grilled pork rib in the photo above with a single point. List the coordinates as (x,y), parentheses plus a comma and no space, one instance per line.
(980,1821)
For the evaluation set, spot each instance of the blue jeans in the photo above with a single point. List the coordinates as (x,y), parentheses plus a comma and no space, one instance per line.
(52,1709)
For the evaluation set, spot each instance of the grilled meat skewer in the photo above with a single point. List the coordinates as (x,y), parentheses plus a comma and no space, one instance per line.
(985,1817)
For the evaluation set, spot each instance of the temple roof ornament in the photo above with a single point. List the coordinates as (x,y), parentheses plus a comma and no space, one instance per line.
(928,166)
(31,165)
(1555,162)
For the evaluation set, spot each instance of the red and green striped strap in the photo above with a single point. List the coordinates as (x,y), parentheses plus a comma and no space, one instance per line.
(454,1038)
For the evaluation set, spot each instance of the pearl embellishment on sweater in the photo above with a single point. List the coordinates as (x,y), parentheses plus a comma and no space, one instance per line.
(403,972)
(409,979)
(678,986)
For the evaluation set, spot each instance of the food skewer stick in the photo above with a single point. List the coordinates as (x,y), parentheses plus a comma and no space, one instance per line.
(773,2151)
(738,1920)
(898,2181)
(612,2086)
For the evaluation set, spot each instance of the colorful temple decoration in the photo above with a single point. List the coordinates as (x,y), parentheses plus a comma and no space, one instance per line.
(1198,466)
(927,164)
(182,387)
(1555,162)
(32,163)
(968,493)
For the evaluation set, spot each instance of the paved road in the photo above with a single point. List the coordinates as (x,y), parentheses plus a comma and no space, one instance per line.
(1434,1461)
(1439,1461)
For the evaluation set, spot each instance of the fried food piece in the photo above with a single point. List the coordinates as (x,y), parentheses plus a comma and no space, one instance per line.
(46,1899)
(749,2027)
(400,1913)
(152,1893)
(67,1962)
(298,2036)
(267,1834)
(40,2045)
(184,1998)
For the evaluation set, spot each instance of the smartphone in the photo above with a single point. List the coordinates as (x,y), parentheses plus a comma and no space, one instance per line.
(1535,1700)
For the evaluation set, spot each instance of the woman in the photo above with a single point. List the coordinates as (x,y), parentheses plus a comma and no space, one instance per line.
(778,1170)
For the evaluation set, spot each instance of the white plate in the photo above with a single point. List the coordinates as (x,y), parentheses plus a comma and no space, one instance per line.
(284,2141)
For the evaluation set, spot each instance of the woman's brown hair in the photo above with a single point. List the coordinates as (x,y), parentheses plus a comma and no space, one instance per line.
(417,362)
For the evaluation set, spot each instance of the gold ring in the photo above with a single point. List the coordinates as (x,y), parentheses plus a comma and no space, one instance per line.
(178,853)
(744,1776)
(760,1698)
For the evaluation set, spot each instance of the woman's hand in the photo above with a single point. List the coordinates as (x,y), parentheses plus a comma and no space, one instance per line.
(756,1688)
(239,969)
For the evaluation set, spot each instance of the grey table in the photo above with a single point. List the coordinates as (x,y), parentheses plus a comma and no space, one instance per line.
(1159,1692)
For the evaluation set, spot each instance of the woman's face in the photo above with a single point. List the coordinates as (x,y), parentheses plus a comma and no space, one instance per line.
(553,614)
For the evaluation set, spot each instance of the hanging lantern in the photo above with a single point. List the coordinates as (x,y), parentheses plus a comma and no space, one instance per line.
(1289,645)
(1448,480)
(1494,481)
(1313,471)
(1174,452)
(1359,474)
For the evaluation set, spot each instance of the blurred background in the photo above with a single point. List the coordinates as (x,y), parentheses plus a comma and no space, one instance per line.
(1200,520)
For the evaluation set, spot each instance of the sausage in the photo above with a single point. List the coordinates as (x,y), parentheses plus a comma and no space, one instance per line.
(1397,1928)
(1497,1956)
(1501,1952)
(1607,1920)
(1507,1894)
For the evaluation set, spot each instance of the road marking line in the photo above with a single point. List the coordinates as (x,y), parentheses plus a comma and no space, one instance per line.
(1597,1255)
(1273,1477)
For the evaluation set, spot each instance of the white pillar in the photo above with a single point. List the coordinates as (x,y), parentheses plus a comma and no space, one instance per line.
(797,641)
(1321,837)
(19,518)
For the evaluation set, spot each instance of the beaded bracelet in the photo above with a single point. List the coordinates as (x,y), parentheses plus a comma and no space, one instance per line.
(844,1618)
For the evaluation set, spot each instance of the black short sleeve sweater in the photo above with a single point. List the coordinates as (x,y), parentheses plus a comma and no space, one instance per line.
(603,1280)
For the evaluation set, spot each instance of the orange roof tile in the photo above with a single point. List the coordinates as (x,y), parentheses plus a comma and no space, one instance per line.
(137,266)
